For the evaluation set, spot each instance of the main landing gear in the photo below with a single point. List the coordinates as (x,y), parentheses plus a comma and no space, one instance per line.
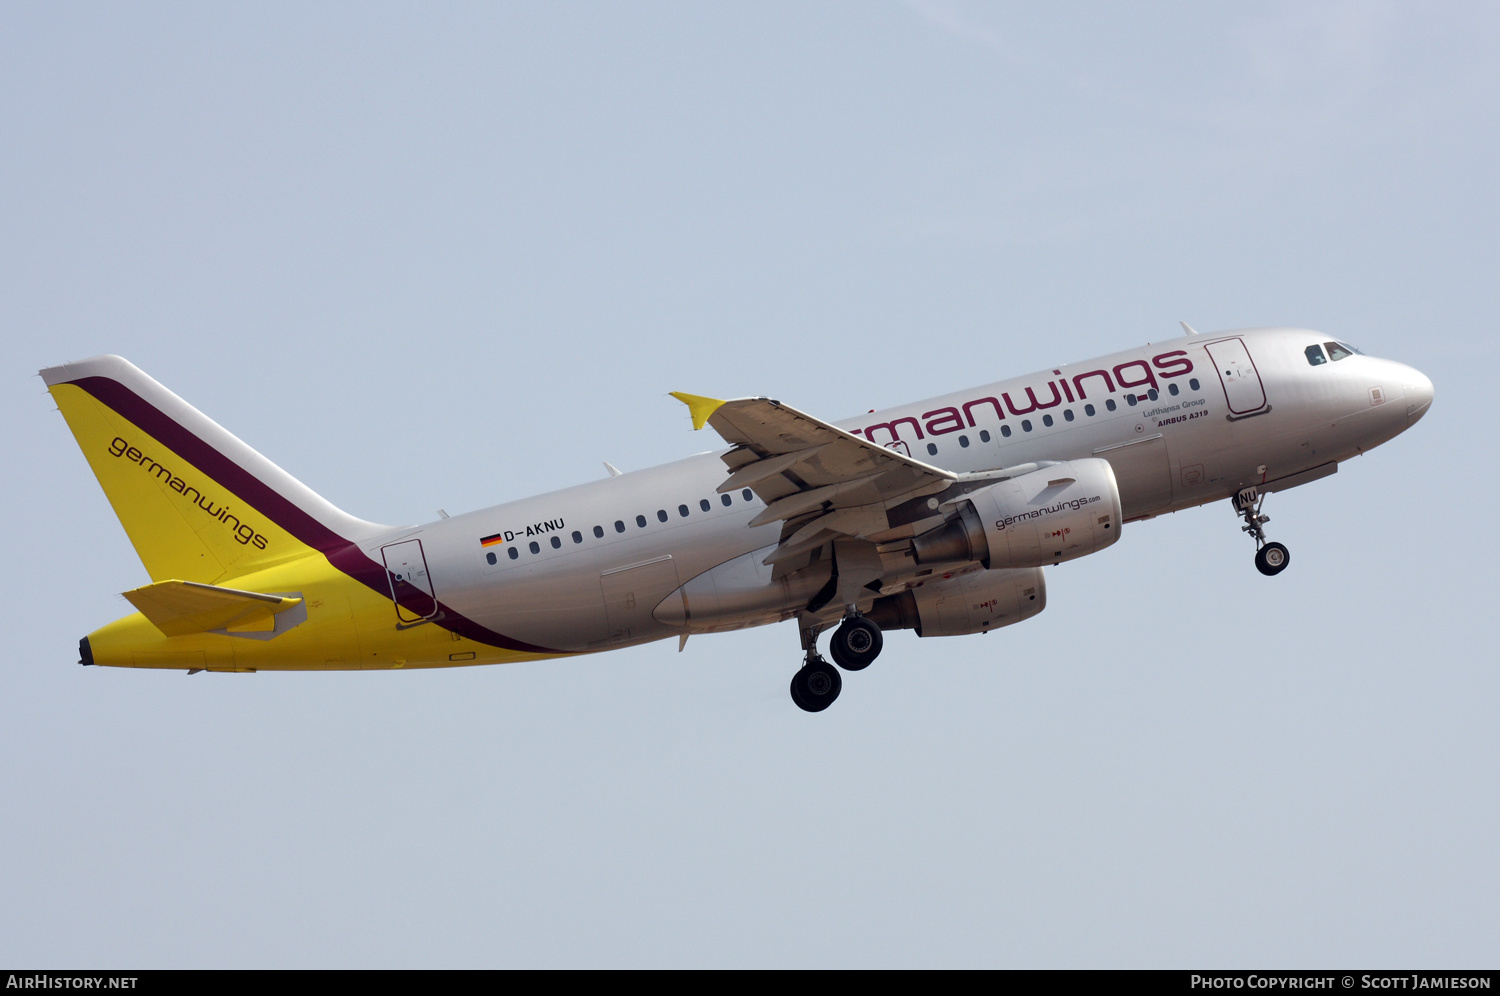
(854,647)
(816,684)
(1270,558)
(856,643)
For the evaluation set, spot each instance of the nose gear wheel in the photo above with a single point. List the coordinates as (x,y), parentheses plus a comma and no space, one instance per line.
(1270,558)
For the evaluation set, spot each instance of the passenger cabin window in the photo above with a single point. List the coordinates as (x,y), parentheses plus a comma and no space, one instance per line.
(984,435)
(598,532)
(682,510)
(1336,351)
(1088,410)
(640,521)
(1047,421)
(1172,390)
(577,536)
(1315,354)
(619,525)
(661,515)
(1068,414)
(727,500)
(747,494)
(490,557)
(1005,431)
(932,449)
(557,542)
(963,441)
(1193,383)
(703,504)
(514,553)
(535,547)
(1110,403)
(1025,425)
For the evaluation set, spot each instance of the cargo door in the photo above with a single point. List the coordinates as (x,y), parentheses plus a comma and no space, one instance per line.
(1238,376)
(411,585)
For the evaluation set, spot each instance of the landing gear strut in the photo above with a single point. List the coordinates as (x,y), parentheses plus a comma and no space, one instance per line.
(1270,558)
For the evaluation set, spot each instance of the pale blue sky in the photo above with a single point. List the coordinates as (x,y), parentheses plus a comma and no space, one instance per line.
(447,255)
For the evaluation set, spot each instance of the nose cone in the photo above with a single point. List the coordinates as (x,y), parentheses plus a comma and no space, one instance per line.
(1418,395)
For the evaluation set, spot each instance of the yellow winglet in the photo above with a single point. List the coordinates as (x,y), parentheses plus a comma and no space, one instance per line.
(701,408)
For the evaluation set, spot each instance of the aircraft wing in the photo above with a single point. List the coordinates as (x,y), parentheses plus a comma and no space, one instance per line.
(821,481)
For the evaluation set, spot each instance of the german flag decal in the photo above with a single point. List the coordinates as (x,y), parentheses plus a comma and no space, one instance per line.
(494,540)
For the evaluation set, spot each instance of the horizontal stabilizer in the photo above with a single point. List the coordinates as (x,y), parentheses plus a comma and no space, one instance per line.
(179,608)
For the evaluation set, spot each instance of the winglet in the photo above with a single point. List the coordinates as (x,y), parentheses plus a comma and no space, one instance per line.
(701,408)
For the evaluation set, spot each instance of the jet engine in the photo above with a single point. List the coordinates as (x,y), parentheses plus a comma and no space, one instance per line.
(1048,516)
(976,602)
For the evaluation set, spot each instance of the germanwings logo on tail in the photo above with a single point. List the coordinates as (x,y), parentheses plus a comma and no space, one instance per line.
(244,533)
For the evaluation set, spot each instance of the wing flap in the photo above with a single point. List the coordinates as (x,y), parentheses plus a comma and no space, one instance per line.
(758,470)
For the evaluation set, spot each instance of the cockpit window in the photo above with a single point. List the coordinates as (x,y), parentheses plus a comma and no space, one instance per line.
(1315,354)
(1338,351)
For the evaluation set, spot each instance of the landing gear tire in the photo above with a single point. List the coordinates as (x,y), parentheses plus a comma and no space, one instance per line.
(816,685)
(856,644)
(1272,559)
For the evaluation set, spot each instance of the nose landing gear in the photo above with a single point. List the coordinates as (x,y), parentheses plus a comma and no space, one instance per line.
(1270,558)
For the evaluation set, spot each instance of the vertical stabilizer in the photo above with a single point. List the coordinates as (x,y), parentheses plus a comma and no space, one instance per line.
(197,502)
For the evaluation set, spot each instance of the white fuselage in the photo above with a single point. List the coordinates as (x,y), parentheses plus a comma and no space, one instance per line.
(1182,423)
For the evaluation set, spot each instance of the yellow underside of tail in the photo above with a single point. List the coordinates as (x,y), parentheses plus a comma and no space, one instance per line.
(346,627)
(189,527)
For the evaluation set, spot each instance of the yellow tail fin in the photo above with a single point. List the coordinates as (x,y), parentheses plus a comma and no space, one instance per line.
(197,503)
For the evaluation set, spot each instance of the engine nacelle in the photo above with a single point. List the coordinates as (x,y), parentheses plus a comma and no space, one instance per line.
(976,602)
(1045,517)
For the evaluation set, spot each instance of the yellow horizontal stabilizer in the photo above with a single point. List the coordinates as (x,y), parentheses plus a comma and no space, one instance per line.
(179,608)
(701,408)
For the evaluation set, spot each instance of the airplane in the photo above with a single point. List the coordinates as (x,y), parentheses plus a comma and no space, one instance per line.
(939,516)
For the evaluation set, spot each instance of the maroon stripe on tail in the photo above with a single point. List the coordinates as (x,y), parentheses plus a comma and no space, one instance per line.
(343,554)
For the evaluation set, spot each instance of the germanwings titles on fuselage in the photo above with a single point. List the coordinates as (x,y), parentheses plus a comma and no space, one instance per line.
(939,516)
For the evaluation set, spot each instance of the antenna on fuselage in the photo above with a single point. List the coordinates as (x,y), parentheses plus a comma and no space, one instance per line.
(613,470)
(1188,328)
